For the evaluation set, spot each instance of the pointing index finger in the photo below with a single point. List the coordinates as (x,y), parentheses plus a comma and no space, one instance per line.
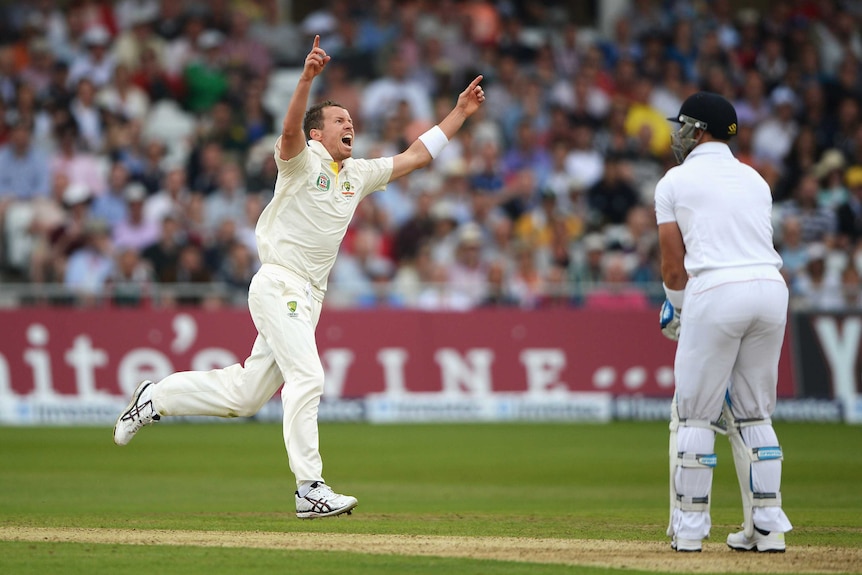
(475,82)
(316,41)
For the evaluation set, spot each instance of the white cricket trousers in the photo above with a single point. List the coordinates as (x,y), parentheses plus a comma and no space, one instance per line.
(733,324)
(285,314)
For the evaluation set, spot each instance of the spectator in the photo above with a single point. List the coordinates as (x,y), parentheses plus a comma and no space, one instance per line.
(223,126)
(587,270)
(615,291)
(818,286)
(62,236)
(205,164)
(135,231)
(130,282)
(851,288)
(645,121)
(383,94)
(77,164)
(829,172)
(281,37)
(849,214)
(192,277)
(90,267)
(352,270)
(468,272)
(228,201)
(255,121)
(584,162)
(110,207)
(148,167)
(173,196)
(497,292)
(236,271)
(416,231)
(96,63)
(88,116)
(774,136)
(205,77)
(526,152)
(558,293)
(24,171)
(185,48)
(794,253)
(536,227)
(242,50)
(753,106)
(527,284)
(802,159)
(122,97)
(30,110)
(437,295)
(612,197)
(139,37)
(818,224)
(162,255)
(412,275)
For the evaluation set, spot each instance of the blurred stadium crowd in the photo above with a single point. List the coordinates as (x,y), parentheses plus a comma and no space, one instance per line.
(136,142)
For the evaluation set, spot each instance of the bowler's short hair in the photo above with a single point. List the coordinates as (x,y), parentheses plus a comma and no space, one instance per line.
(314,117)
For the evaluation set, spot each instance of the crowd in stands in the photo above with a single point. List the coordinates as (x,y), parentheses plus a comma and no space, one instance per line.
(136,144)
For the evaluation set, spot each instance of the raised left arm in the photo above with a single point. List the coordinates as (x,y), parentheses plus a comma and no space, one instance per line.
(428,145)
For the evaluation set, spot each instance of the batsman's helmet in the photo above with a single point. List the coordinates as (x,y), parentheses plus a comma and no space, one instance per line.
(705,111)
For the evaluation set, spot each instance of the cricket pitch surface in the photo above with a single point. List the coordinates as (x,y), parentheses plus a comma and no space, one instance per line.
(641,555)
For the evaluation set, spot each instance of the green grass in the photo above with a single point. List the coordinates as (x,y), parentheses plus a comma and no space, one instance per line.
(513,480)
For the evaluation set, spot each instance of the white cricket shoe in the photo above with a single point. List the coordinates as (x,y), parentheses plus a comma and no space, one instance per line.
(686,545)
(322,501)
(764,543)
(140,412)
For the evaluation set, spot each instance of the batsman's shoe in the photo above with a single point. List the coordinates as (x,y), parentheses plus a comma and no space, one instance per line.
(322,501)
(686,545)
(140,412)
(764,542)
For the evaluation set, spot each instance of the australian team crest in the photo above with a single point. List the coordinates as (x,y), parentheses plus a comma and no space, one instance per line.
(323,182)
(291,308)
(347,190)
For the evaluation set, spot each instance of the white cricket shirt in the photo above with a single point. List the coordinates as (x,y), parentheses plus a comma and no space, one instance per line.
(723,209)
(302,227)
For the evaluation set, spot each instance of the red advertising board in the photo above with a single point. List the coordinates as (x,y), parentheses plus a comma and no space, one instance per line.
(104,353)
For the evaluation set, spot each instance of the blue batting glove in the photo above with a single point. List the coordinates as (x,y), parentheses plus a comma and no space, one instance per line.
(669,320)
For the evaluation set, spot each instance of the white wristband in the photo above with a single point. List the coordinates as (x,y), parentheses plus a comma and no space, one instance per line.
(435,140)
(674,296)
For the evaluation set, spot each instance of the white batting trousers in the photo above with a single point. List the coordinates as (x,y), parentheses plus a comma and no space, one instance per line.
(731,338)
(285,314)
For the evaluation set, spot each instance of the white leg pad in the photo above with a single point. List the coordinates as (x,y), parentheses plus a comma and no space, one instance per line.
(757,458)
(692,459)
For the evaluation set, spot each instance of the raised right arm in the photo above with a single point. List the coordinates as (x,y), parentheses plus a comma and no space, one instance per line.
(292,136)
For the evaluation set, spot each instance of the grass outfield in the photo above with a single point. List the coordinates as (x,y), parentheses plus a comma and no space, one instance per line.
(485,482)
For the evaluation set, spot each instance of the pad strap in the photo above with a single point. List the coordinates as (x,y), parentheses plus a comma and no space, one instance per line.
(697,460)
(766,499)
(702,423)
(687,503)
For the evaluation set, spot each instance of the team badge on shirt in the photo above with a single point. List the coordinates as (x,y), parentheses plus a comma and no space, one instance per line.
(323,182)
(291,308)
(347,190)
